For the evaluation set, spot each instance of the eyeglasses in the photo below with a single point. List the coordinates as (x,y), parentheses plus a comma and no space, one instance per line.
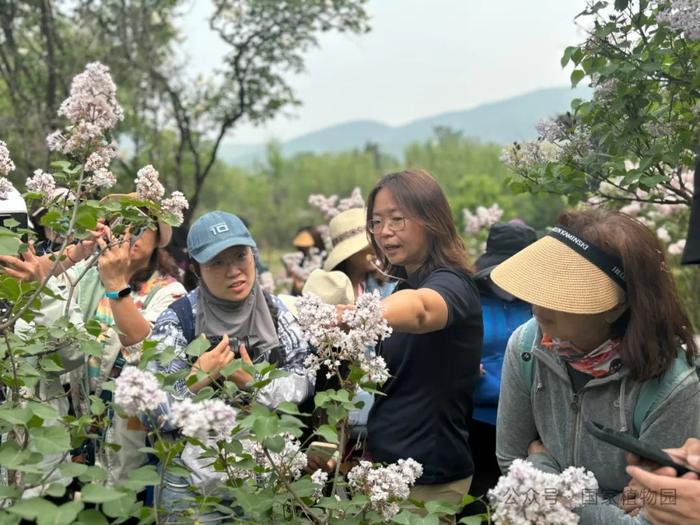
(396,224)
(240,260)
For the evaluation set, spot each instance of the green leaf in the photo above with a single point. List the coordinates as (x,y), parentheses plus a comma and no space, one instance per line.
(99,494)
(32,508)
(9,519)
(328,433)
(92,517)
(44,411)
(197,347)
(265,426)
(12,455)
(8,492)
(468,499)
(620,5)
(118,508)
(576,76)
(50,364)
(474,520)
(50,440)
(55,490)
(289,408)
(567,55)
(9,245)
(97,406)
(64,515)
(442,507)
(93,473)
(16,416)
(72,470)
(147,475)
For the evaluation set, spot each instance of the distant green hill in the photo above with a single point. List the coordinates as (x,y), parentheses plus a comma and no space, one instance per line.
(497,122)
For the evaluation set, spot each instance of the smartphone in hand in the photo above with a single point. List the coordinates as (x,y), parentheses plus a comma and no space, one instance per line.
(628,442)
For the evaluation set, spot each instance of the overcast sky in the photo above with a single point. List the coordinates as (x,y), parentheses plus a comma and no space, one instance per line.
(421,58)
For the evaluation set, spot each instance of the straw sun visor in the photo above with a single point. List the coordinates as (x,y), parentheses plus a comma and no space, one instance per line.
(551,275)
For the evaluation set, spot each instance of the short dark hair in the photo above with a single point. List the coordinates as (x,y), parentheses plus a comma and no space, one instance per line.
(420,196)
(655,324)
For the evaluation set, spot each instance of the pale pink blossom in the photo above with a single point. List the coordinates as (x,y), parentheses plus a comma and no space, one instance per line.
(663,235)
(684,16)
(677,247)
(102,178)
(41,182)
(101,158)
(6,164)
(386,487)
(138,392)
(176,204)
(211,417)
(528,496)
(147,184)
(6,187)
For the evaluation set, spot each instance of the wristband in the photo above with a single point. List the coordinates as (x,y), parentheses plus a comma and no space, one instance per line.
(118,294)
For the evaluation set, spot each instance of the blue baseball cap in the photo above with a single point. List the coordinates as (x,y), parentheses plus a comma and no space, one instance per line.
(215,231)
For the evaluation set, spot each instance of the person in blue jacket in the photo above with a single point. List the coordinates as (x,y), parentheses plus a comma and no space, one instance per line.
(502,314)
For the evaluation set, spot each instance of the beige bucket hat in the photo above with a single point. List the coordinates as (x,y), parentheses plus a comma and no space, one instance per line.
(330,287)
(564,272)
(348,232)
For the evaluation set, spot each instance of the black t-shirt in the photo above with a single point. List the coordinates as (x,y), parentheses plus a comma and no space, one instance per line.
(428,402)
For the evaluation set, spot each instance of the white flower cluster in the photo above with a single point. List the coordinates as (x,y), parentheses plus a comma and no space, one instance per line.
(92,110)
(6,166)
(385,486)
(148,187)
(138,391)
(319,478)
(101,158)
(365,327)
(330,206)
(288,463)
(204,419)
(103,178)
(300,267)
(550,130)
(43,183)
(656,216)
(528,496)
(523,155)
(482,218)
(147,184)
(682,15)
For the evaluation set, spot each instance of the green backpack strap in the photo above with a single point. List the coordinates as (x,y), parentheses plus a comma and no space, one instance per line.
(655,390)
(526,340)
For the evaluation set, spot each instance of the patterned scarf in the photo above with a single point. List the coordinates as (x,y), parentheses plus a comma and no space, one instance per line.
(603,361)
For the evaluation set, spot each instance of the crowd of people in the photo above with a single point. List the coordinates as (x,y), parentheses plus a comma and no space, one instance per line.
(506,359)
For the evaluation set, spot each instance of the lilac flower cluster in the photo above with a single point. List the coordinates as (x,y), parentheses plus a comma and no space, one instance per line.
(43,183)
(300,267)
(364,327)
(91,108)
(6,166)
(682,15)
(101,158)
(523,155)
(204,419)
(147,184)
(175,204)
(148,187)
(319,478)
(386,486)
(528,496)
(330,206)
(482,218)
(660,217)
(138,391)
(288,463)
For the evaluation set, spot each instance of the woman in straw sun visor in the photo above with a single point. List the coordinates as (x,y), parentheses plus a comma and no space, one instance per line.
(353,254)
(609,342)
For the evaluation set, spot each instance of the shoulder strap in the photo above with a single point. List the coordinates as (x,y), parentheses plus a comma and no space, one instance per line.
(274,311)
(526,340)
(655,390)
(183,309)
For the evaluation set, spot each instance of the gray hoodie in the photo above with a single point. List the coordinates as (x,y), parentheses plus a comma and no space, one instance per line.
(551,411)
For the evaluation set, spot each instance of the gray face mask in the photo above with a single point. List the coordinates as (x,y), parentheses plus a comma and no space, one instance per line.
(249,318)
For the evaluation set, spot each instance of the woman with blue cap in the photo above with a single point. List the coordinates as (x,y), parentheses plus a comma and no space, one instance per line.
(228,305)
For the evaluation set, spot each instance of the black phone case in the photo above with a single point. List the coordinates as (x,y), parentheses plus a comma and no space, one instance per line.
(630,443)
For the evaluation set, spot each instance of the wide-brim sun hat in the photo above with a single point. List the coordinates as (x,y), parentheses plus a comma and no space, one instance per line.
(330,287)
(348,232)
(165,231)
(563,272)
